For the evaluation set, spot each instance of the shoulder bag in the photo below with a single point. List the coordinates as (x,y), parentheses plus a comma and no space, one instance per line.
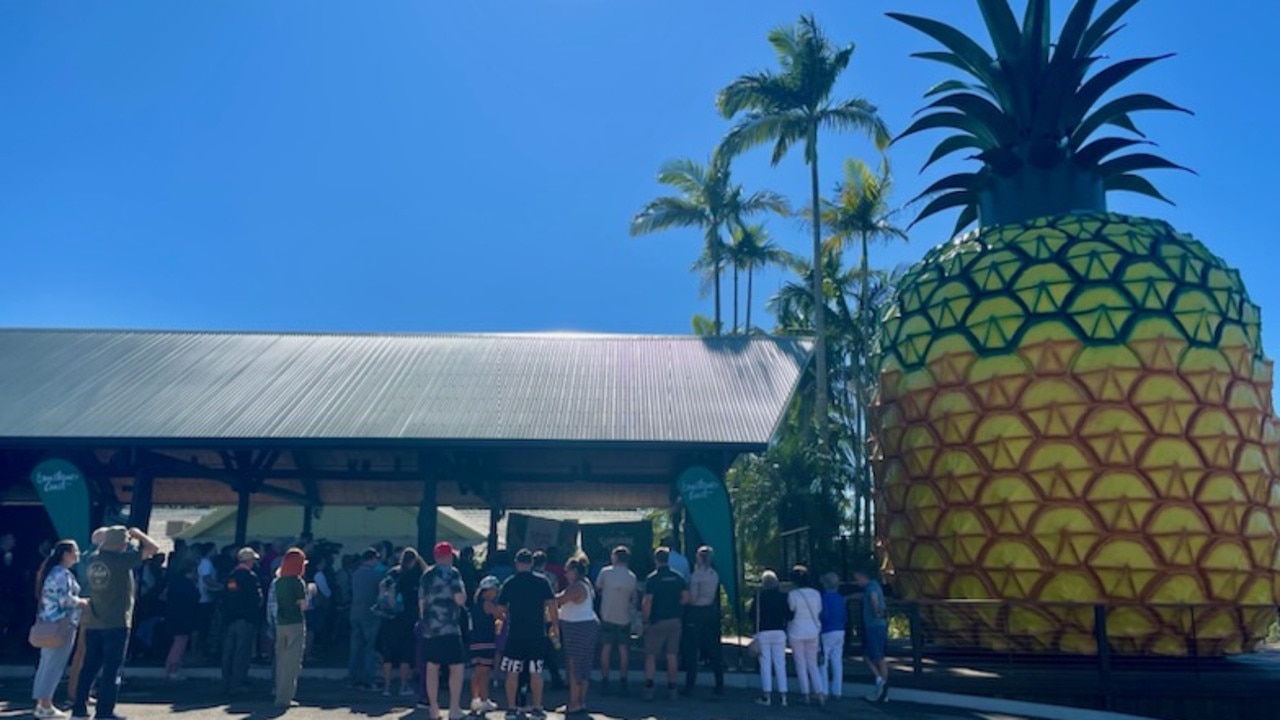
(51,634)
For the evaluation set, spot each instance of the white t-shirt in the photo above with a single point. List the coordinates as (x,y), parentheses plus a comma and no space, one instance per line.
(205,576)
(806,608)
(617,586)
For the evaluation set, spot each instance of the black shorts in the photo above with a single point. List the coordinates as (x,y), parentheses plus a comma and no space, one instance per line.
(443,650)
(527,652)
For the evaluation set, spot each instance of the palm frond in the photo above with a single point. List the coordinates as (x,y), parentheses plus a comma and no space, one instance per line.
(665,213)
(755,129)
(860,115)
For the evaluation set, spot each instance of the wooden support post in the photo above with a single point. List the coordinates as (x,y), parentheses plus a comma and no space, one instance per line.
(140,503)
(427,506)
(495,514)
(242,513)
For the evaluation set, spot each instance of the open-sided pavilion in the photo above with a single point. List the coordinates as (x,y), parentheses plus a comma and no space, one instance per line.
(497,421)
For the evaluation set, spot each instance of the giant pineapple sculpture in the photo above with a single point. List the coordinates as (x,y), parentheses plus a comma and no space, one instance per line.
(1074,405)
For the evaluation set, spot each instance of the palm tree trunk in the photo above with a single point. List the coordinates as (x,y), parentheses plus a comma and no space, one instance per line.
(735,299)
(864,377)
(819,301)
(715,260)
(751,271)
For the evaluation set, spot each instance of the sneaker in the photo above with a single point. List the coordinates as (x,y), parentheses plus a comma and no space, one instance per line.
(538,714)
(488,706)
(407,691)
(49,712)
(782,700)
(513,715)
(457,715)
(883,693)
(764,701)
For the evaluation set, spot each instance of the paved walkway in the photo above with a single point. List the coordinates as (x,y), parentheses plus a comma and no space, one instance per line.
(201,700)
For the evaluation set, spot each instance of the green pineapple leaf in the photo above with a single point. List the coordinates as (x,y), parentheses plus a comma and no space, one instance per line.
(1135,184)
(1136,162)
(1117,112)
(952,144)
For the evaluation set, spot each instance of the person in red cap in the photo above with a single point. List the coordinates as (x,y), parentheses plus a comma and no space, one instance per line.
(442,597)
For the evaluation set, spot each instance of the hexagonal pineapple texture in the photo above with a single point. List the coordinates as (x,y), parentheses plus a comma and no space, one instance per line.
(1078,411)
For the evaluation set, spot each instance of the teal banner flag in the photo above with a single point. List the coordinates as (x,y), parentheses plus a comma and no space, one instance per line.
(706,499)
(65,496)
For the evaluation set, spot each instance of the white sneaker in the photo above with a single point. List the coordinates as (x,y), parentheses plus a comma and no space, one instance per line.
(488,706)
(50,712)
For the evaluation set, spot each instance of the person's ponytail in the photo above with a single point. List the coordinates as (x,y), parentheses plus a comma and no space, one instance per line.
(51,561)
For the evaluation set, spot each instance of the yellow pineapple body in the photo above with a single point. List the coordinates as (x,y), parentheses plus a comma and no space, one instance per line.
(1075,411)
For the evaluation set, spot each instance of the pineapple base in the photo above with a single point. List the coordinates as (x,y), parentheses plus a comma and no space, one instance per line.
(1076,411)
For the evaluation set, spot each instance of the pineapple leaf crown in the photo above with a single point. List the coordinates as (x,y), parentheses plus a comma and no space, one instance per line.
(1035,107)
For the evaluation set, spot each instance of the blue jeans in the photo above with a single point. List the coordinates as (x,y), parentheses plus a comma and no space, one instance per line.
(362,663)
(104,652)
(52,662)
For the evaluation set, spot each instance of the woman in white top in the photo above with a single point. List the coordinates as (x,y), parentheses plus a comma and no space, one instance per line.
(580,629)
(60,601)
(804,634)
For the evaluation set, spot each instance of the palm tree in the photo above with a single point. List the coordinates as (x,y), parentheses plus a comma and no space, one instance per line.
(708,200)
(752,248)
(852,331)
(861,212)
(790,107)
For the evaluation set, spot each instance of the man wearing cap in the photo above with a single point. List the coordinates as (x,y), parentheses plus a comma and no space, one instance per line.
(441,597)
(528,604)
(242,610)
(109,572)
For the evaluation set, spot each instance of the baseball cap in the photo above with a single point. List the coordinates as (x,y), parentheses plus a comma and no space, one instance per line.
(442,549)
(247,553)
(524,557)
(489,582)
(115,538)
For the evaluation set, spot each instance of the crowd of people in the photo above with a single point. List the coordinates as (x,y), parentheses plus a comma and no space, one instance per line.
(418,627)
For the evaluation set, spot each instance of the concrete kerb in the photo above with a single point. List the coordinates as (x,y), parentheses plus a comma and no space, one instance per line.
(736,681)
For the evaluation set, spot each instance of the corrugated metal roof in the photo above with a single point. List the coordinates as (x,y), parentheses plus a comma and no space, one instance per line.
(142,385)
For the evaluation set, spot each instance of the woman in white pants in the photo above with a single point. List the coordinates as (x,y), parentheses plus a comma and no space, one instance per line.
(835,619)
(804,633)
(771,616)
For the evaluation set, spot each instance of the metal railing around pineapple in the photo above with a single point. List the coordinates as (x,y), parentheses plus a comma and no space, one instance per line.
(1078,634)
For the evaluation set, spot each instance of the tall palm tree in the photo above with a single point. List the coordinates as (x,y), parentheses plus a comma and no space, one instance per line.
(861,212)
(753,249)
(708,200)
(792,106)
(852,332)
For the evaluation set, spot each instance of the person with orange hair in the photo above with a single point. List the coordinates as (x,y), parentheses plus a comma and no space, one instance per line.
(291,633)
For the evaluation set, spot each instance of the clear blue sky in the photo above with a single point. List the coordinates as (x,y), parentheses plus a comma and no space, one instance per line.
(467,166)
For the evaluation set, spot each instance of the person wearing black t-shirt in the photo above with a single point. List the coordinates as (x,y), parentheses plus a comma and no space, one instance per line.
(665,595)
(528,605)
(241,610)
